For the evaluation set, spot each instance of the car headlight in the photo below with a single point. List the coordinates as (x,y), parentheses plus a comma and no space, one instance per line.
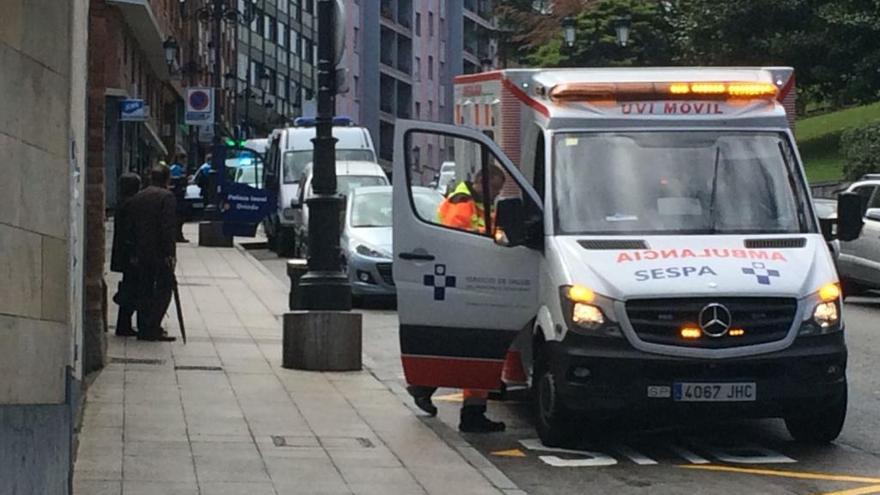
(368,251)
(288,213)
(584,312)
(825,317)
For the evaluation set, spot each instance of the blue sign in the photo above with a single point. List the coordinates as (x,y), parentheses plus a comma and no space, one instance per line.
(244,207)
(133,110)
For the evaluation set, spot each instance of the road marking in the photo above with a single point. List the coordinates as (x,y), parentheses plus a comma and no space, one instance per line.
(509,453)
(688,455)
(457,397)
(591,459)
(856,491)
(634,456)
(748,454)
(785,474)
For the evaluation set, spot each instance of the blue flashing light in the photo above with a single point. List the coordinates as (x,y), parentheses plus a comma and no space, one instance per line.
(312,121)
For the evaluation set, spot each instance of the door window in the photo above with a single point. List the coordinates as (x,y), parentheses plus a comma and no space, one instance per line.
(469,184)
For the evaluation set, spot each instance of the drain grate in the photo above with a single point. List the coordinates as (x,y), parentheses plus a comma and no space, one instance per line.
(124,360)
(198,368)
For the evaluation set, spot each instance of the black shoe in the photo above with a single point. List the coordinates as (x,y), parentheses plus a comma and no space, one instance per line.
(157,338)
(474,420)
(423,400)
(183,239)
(125,332)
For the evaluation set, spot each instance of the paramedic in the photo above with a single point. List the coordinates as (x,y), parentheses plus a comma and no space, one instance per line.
(463,209)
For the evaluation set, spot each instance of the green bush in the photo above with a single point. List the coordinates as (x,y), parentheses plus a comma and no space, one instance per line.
(861,150)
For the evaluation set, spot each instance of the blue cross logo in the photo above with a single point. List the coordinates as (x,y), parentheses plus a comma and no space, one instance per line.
(440,281)
(760,271)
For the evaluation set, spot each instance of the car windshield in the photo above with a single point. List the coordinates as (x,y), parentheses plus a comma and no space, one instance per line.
(295,161)
(373,209)
(677,183)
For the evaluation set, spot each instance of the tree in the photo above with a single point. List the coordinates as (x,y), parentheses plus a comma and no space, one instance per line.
(525,30)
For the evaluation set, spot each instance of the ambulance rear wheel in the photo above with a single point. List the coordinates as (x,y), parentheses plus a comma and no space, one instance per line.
(553,420)
(818,426)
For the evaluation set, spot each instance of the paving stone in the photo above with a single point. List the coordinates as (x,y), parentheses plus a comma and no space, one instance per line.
(159,488)
(90,487)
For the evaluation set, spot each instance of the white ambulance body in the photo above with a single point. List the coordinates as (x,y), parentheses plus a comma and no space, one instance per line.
(654,248)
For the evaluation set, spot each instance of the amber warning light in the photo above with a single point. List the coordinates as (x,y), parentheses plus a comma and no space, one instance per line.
(662,91)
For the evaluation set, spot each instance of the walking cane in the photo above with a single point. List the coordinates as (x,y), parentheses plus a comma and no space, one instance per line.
(179,311)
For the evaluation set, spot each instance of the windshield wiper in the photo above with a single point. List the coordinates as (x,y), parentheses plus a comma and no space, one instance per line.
(714,189)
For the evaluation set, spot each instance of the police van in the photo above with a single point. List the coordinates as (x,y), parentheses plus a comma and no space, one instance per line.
(653,250)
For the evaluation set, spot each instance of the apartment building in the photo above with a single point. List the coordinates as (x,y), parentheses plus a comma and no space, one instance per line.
(402,56)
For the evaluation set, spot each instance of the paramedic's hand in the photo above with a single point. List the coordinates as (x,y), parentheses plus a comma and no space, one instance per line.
(501,238)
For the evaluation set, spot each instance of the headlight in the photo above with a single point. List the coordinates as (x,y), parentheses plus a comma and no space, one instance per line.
(368,251)
(584,312)
(288,213)
(825,317)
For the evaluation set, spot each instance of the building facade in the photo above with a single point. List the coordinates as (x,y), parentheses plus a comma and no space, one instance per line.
(42,135)
(275,71)
(402,56)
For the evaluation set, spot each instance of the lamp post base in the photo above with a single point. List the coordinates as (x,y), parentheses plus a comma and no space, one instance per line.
(322,341)
(325,291)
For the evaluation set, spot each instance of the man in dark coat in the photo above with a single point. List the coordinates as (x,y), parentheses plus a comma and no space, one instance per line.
(122,255)
(154,219)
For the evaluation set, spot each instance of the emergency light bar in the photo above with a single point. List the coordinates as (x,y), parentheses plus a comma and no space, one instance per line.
(662,91)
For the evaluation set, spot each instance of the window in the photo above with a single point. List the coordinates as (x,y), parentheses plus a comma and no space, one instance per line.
(355,39)
(357,86)
(418,110)
(430,24)
(418,69)
(465,180)
(283,35)
(430,109)
(271,29)
(430,67)
(418,23)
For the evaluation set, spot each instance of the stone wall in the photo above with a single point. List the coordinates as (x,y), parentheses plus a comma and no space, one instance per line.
(41,126)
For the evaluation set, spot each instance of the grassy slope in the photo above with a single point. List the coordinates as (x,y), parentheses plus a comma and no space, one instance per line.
(819,139)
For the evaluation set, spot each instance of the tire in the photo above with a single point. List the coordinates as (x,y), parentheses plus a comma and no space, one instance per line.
(553,420)
(818,427)
(851,288)
(285,243)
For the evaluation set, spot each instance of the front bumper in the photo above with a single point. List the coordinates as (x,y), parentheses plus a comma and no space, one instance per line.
(378,273)
(811,371)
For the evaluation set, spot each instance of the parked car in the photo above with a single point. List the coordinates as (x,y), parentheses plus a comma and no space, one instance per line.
(366,237)
(349,176)
(859,260)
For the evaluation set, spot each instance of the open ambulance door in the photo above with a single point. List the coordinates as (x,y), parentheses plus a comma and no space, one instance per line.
(463,294)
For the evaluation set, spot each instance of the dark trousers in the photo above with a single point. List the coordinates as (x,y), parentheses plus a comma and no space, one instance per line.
(154,296)
(126,299)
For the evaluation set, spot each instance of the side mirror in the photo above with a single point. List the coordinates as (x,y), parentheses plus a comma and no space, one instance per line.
(516,226)
(873,214)
(849,216)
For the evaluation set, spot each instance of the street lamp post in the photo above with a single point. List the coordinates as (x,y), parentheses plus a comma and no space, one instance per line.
(622,26)
(569,31)
(327,336)
(325,286)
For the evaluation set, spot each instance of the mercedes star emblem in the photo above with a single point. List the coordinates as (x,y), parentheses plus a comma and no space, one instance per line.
(715,320)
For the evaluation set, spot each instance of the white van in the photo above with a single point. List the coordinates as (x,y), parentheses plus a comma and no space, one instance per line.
(289,152)
(350,175)
(651,250)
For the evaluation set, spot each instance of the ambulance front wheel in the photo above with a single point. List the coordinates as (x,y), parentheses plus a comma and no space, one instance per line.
(818,425)
(553,420)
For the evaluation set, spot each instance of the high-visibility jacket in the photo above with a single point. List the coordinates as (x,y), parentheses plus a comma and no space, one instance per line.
(460,211)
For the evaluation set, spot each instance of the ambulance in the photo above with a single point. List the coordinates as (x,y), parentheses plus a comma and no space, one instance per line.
(653,250)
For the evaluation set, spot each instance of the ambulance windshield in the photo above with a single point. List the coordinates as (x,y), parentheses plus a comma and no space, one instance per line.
(677,183)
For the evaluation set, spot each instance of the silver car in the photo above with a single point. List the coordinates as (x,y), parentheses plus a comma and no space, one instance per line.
(859,261)
(366,237)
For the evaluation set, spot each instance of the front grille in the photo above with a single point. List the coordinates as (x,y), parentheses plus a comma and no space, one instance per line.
(782,243)
(385,271)
(659,321)
(612,244)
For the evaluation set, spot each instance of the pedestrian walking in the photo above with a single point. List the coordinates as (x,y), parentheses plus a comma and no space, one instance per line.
(122,255)
(154,218)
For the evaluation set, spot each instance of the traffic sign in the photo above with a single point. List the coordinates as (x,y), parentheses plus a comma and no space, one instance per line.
(199,106)
(133,110)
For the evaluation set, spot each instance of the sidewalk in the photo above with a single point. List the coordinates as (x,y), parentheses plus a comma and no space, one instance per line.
(219,416)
